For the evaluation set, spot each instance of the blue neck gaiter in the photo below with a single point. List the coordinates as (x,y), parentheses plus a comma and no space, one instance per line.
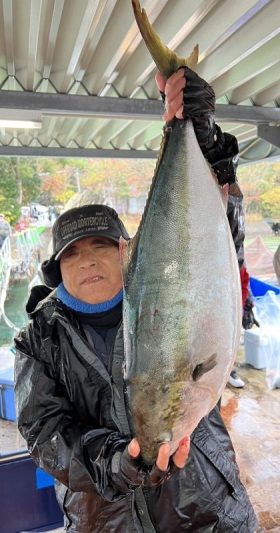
(83,307)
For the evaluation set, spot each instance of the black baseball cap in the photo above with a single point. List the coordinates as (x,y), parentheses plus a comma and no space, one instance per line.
(95,220)
(86,221)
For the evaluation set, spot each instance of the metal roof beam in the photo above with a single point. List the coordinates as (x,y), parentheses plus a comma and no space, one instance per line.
(68,105)
(255,64)
(123,108)
(258,150)
(244,113)
(9,36)
(268,95)
(130,132)
(242,43)
(270,134)
(103,14)
(33,38)
(257,84)
(75,152)
(123,38)
(82,38)
(144,138)
(52,34)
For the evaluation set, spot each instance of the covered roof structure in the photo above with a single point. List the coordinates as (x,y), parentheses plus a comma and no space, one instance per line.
(80,70)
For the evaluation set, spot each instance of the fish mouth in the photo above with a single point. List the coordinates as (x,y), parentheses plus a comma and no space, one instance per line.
(92,279)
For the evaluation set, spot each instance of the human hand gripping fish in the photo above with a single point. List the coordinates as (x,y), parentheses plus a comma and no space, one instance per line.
(172,91)
(163,459)
(136,472)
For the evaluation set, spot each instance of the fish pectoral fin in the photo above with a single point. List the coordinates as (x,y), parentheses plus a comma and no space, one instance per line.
(203,368)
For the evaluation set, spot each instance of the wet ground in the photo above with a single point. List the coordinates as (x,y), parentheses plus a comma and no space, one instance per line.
(252,416)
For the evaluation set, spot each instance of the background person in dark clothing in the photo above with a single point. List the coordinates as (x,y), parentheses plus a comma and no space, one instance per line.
(236,218)
(71,395)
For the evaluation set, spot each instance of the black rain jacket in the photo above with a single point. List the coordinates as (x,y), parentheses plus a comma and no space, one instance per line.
(71,411)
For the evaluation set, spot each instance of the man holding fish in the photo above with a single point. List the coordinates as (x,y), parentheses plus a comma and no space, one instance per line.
(85,422)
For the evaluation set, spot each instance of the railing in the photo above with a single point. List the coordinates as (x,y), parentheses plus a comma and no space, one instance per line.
(26,253)
(21,263)
(5,270)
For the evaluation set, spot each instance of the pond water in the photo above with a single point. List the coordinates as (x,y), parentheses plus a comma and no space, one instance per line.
(15,310)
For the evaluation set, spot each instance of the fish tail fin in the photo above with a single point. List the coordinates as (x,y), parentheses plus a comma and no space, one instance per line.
(165,59)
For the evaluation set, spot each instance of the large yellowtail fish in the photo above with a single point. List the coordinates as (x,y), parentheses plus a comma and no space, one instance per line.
(182,303)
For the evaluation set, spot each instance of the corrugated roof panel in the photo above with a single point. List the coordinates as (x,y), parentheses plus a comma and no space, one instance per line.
(93,47)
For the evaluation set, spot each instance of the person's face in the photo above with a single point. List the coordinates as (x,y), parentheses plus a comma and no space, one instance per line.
(91,269)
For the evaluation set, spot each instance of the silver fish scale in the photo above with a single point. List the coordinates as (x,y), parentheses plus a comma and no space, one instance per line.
(182,305)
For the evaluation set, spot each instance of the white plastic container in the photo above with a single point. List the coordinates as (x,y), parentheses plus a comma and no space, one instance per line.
(256,345)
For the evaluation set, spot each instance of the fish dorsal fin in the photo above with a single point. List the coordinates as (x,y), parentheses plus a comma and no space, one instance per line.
(165,59)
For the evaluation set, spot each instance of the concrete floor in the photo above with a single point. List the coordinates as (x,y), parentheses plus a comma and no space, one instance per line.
(252,416)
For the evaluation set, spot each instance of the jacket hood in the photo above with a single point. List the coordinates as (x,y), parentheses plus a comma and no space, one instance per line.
(37,295)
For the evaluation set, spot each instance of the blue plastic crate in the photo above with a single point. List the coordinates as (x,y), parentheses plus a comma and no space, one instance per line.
(28,501)
(260,288)
(43,479)
(7,394)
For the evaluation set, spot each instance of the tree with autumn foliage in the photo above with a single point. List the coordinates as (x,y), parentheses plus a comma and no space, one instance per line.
(52,181)
(260,184)
(270,204)
(118,179)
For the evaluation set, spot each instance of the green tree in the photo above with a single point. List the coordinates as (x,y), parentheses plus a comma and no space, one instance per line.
(9,196)
(60,179)
(19,185)
(31,183)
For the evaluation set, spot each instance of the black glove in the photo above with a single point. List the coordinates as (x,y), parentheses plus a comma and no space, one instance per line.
(248,320)
(220,149)
(135,473)
(199,105)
